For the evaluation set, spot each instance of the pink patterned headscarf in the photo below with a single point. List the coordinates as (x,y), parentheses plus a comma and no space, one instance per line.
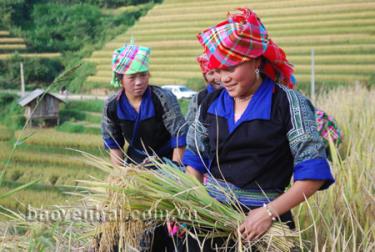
(243,37)
(203,63)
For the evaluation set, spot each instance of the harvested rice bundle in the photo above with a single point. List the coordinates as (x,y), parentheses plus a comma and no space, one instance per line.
(116,230)
(168,194)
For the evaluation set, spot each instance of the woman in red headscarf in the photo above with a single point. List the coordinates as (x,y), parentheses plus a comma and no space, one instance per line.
(257,133)
(211,78)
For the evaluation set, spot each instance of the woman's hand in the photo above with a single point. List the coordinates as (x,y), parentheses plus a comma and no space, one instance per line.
(193,172)
(258,220)
(178,152)
(256,224)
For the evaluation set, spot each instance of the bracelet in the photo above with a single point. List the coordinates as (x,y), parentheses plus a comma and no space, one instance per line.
(269,212)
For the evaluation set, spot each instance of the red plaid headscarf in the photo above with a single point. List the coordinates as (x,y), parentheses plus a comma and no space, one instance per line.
(243,37)
(203,63)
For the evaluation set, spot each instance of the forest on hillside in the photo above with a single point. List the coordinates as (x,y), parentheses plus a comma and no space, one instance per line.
(71,28)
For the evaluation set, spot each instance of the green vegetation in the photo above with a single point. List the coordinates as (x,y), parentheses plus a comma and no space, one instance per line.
(65,28)
(76,81)
(5,133)
(87,106)
(81,117)
(11,114)
(184,105)
(72,31)
(73,127)
(38,72)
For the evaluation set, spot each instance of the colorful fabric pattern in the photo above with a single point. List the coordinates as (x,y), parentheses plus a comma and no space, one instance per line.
(254,198)
(243,37)
(129,59)
(307,159)
(203,63)
(328,127)
(305,142)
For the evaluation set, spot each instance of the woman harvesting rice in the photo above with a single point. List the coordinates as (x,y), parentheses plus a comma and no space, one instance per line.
(257,132)
(147,117)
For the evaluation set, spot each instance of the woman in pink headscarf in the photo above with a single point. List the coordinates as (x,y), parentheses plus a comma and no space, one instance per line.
(257,133)
(141,120)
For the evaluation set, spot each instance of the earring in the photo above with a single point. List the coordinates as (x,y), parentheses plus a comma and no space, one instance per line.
(257,73)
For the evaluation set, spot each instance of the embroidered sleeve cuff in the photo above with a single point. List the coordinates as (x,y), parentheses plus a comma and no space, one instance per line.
(194,160)
(314,169)
(179,141)
(110,143)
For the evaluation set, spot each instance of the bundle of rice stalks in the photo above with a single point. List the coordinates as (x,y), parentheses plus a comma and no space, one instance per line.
(116,232)
(168,194)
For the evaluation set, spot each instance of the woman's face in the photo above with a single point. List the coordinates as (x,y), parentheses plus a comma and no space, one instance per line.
(213,78)
(240,80)
(135,84)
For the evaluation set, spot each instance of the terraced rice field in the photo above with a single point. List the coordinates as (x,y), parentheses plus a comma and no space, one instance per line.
(342,34)
(10,45)
(49,156)
(49,160)
(5,133)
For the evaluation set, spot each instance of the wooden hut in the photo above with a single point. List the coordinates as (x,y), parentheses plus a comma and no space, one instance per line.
(41,108)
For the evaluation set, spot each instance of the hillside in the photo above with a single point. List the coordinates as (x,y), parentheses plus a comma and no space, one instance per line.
(342,33)
(10,44)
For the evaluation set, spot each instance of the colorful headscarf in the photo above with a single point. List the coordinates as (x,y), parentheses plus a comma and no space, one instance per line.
(327,128)
(243,37)
(129,59)
(203,63)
